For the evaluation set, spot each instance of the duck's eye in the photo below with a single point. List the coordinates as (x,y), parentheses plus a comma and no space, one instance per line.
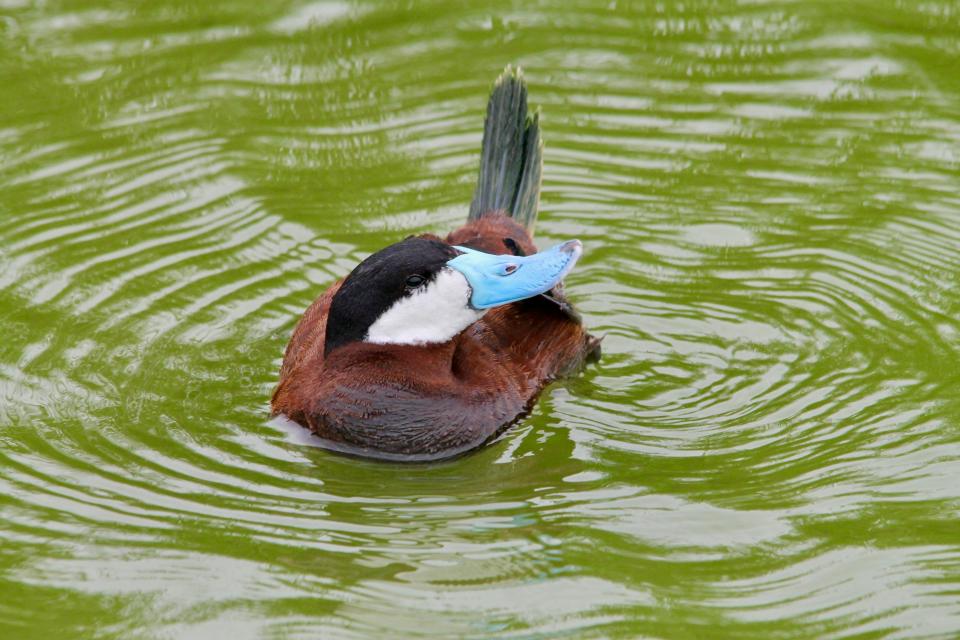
(508,269)
(415,281)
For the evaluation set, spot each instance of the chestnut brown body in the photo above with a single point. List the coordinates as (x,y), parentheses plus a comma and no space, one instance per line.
(422,402)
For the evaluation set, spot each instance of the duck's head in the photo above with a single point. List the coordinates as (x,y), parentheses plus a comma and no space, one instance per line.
(423,291)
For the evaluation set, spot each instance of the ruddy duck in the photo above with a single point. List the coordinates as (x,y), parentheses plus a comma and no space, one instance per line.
(431,347)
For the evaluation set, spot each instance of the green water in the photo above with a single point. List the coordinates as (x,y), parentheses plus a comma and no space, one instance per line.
(769,195)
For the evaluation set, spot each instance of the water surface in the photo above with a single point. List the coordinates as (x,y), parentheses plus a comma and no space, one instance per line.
(769,195)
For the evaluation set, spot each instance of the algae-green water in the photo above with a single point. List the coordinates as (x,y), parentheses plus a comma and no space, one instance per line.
(769,197)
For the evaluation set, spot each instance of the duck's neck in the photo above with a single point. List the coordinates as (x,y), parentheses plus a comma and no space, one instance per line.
(409,360)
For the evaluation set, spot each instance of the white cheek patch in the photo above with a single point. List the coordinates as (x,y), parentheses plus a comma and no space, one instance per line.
(434,313)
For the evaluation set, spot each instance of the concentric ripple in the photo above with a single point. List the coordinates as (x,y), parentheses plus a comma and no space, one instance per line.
(769,197)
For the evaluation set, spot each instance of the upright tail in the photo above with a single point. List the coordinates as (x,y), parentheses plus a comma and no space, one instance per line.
(511,160)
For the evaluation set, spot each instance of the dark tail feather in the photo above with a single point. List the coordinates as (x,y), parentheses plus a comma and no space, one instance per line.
(511,160)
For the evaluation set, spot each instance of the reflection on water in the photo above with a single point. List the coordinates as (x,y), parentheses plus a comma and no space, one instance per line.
(768,194)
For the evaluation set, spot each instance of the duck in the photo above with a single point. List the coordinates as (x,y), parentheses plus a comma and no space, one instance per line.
(433,346)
